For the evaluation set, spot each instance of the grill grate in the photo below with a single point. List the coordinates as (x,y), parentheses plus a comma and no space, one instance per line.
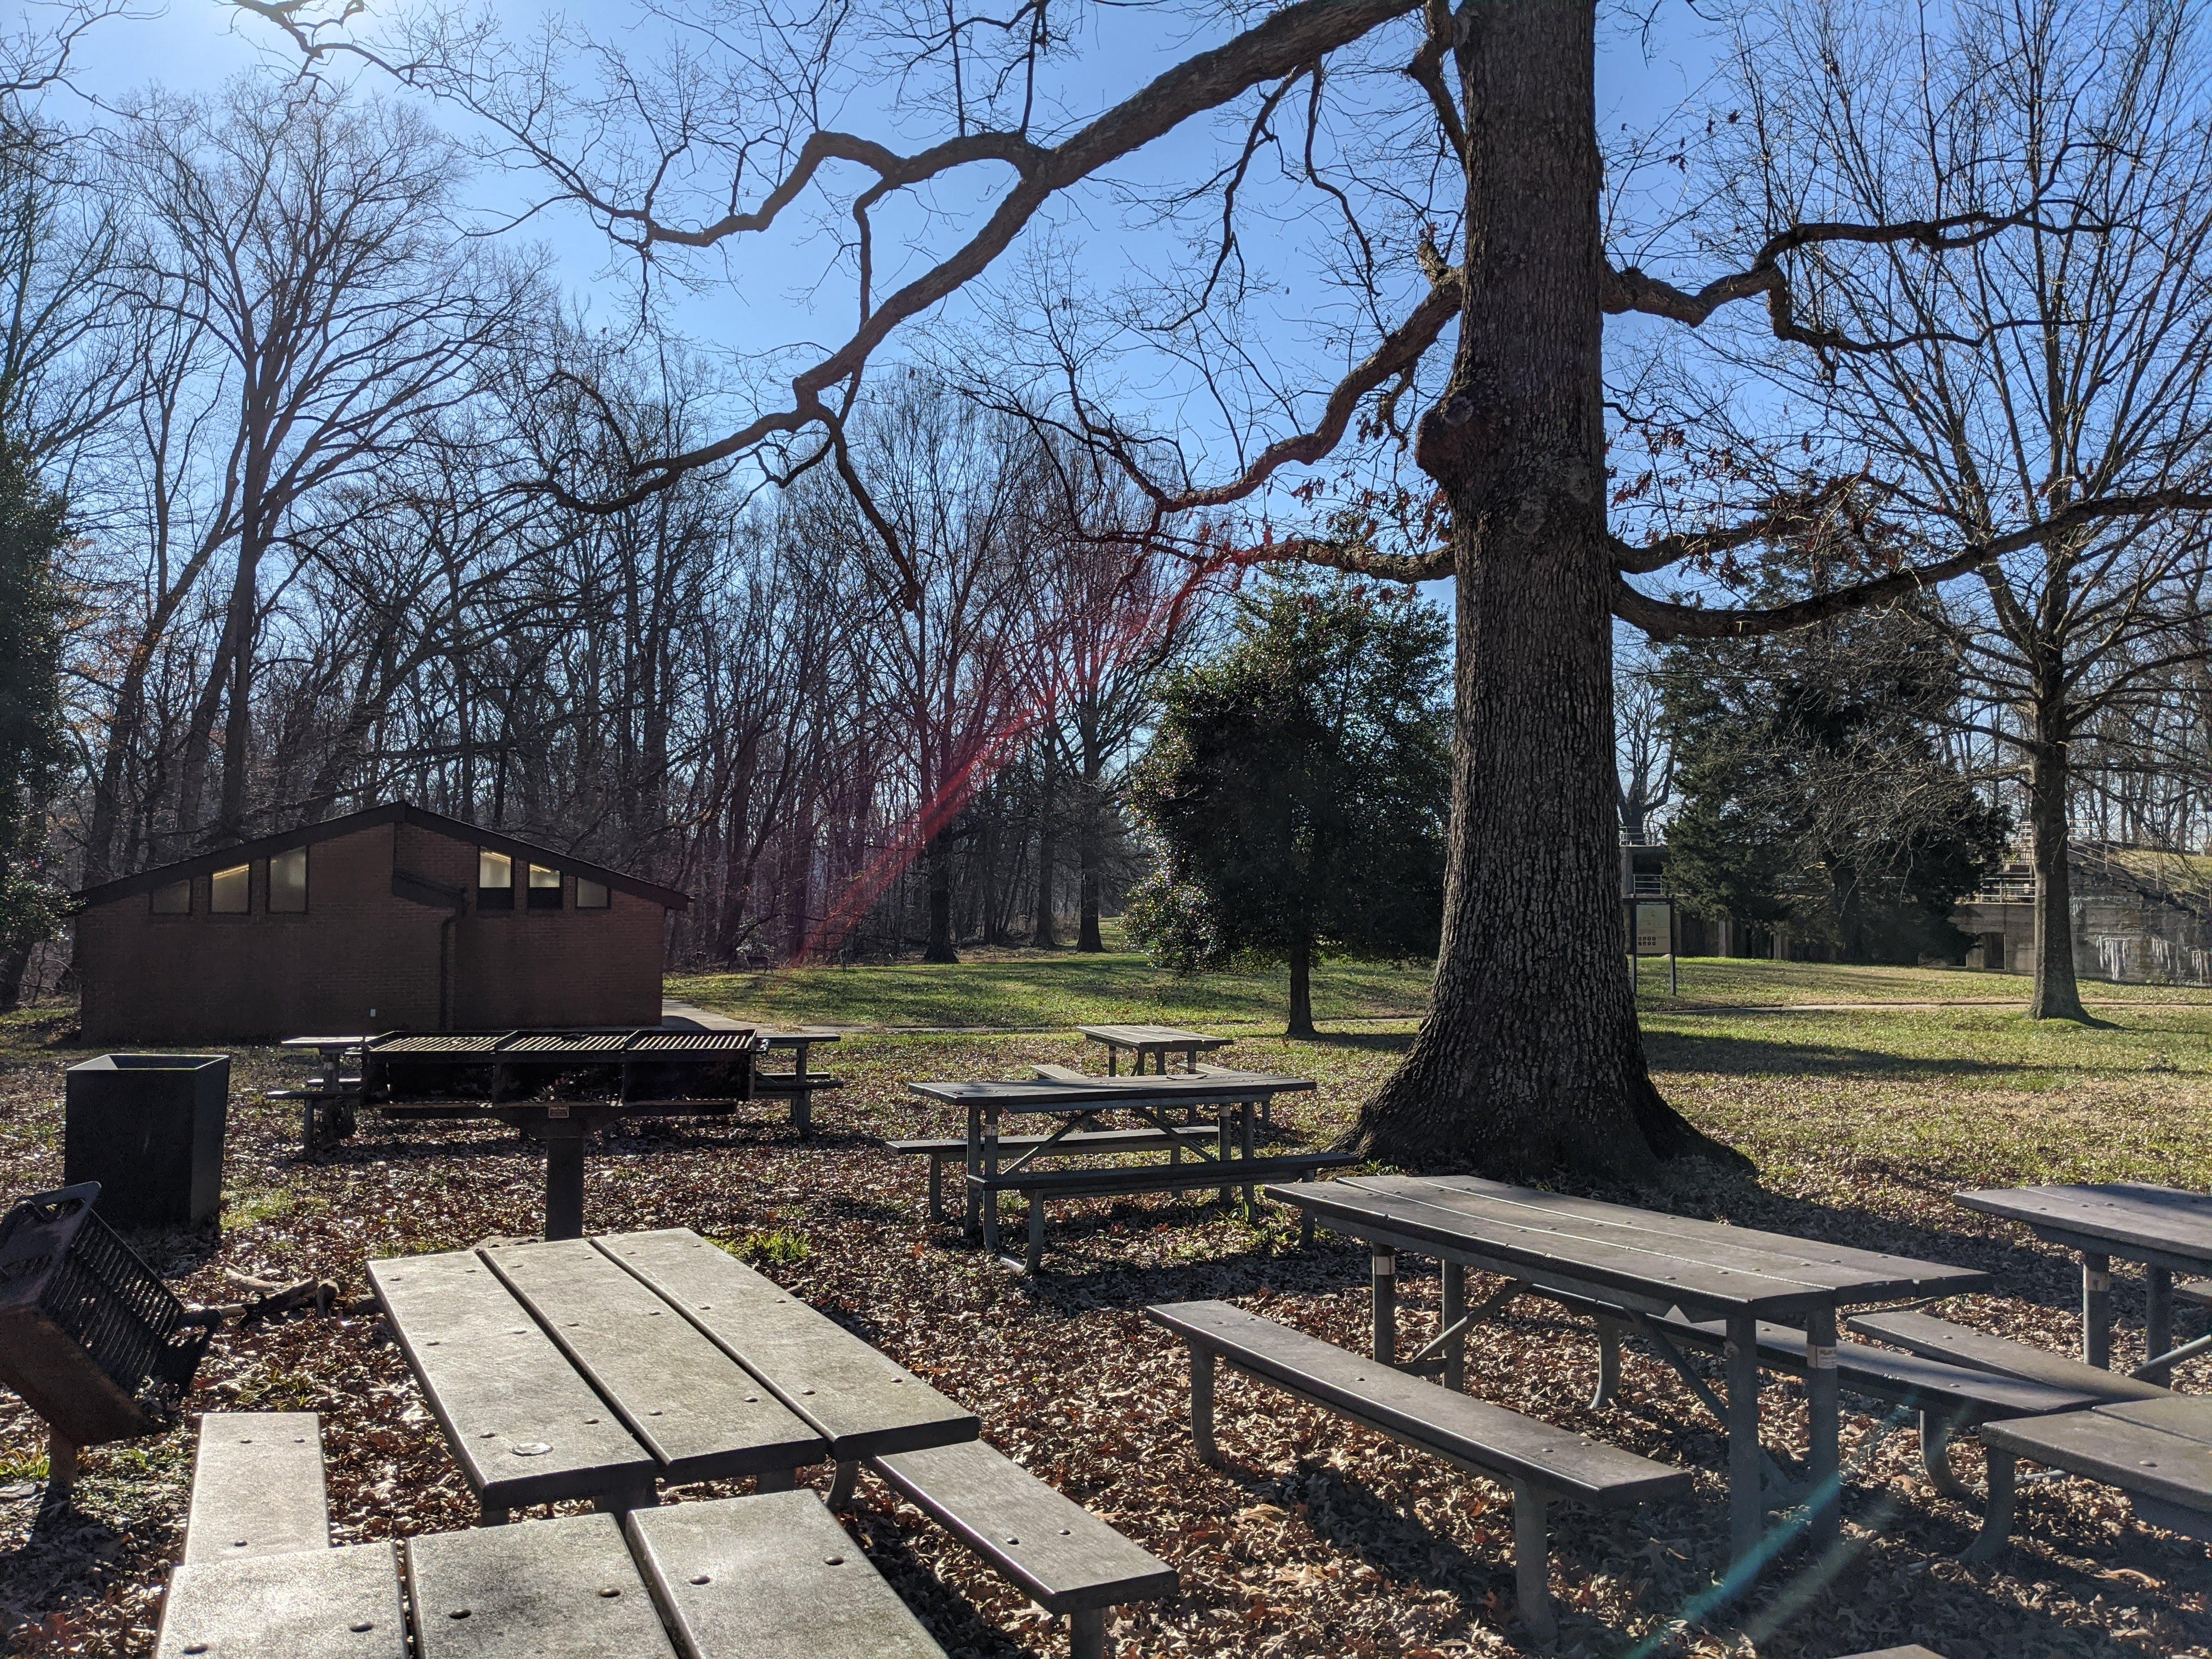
(68,1282)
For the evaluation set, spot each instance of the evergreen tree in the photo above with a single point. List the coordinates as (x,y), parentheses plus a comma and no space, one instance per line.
(1298,786)
(1815,793)
(31,525)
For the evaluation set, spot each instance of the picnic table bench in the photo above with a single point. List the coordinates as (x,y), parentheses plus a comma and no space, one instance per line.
(1540,1464)
(1632,1268)
(1079,1100)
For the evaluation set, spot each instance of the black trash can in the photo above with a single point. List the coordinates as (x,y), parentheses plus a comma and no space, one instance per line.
(149,1128)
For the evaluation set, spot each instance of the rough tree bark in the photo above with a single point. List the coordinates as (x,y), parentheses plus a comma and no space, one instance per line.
(1301,1022)
(939,860)
(2057,995)
(1530,1060)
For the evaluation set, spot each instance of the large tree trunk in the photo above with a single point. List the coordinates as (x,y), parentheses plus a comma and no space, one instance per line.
(2057,995)
(1301,1024)
(939,860)
(1530,1061)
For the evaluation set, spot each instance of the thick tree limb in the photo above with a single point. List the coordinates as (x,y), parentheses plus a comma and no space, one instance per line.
(1784,516)
(1636,290)
(1401,349)
(1665,620)
(1352,557)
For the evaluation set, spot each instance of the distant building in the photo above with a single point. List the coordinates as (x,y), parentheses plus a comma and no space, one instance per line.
(2141,915)
(395,918)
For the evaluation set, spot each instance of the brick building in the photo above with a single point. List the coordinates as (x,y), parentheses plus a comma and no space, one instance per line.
(391,919)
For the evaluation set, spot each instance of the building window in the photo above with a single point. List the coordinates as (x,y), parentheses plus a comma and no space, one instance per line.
(174,900)
(230,892)
(288,883)
(590,895)
(544,887)
(495,880)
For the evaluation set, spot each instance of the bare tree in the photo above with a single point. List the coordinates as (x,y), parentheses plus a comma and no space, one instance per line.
(1448,160)
(311,239)
(2069,360)
(1647,755)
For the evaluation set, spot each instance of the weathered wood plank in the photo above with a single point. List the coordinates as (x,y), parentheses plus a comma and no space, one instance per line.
(1908,1379)
(525,1427)
(854,1396)
(701,1415)
(1063,1556)
(2161,1449)
(1961,1345)
(320,1604)
(1083,1140)
(257,1487)
(1869,1274)
(1470,1430)
(1109,1094)
(2128,1213)
(771,1576)
(1160,1177)
(545,1590)
(1351,1205)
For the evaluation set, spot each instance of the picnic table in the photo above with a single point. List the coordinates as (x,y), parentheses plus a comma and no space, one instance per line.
(2163,1228)
(1636,1269)
(768,1577)
(1078,1101)
(597,1367)
(1155,1042)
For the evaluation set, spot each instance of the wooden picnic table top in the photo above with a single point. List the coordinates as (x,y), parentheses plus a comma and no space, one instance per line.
(772,1576)
(1151,1036)
(1563,1241)
(1106,1093)
(2120,1216)
(578,1368)
(801,1034)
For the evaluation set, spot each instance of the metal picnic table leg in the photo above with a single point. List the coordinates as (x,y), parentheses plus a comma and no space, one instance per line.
(1223,1143)
(1746,1504)
(2097,1309)
(990,1173)
(564,1178)
(1244,1145)
(1454,1309)
(1383,1271)
(2158,1323)
(1823,1409)
(974,1167)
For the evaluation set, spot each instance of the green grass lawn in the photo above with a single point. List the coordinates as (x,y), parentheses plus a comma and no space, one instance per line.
(1051,990)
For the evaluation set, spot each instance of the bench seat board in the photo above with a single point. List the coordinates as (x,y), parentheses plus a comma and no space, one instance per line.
(2160,1448)
(257,1487)
(537,1591)
(323,1604)
(523,1426)
(771,1577)
(1909,1379)
(1159,1177)
(700,1413)
(1962,1344)
(1472,1432)
(1083,1140)
(1915,1651)
(1063,1556)
(858,1399)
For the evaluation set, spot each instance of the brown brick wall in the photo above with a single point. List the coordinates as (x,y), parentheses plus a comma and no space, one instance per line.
(362,959)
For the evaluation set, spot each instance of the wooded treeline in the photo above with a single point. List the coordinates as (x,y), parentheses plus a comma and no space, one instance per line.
(327,458)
